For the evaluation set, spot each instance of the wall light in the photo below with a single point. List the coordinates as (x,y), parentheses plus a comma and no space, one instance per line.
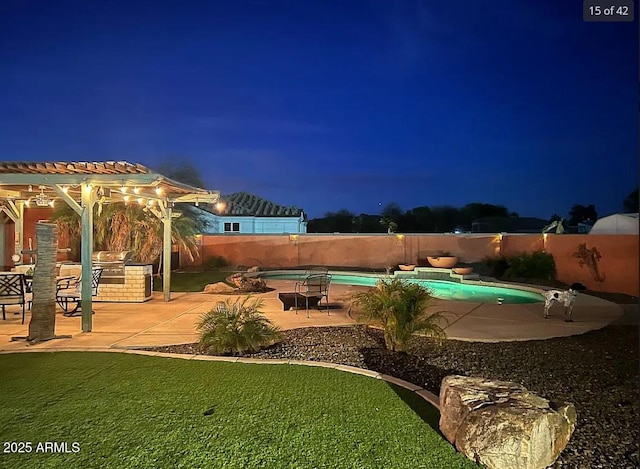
(136,190)
(126,198)
(123,189)
(65,189)
(158,190)
(140,200)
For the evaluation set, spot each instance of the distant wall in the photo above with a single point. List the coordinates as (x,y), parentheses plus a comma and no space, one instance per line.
(601,262)
(373,251)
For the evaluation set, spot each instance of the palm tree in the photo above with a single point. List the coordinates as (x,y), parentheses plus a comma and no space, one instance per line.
(400,308)
(43,312)
(131,227)
(236,328)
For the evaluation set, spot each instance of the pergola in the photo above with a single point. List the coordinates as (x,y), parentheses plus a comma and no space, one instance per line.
(82,185)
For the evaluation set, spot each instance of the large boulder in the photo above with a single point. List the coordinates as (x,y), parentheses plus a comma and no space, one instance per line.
(502,425)
(248,284)
(219,287)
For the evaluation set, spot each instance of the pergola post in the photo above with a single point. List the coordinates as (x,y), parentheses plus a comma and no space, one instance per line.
(15,211)
(166,252)
(19,228)
(86,249)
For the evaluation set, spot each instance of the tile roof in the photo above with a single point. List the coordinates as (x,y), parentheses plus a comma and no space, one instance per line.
(72,167)
(17,176)
(245,204)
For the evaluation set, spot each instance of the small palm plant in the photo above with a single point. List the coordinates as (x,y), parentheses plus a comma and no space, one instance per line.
(400,308)
(236,328)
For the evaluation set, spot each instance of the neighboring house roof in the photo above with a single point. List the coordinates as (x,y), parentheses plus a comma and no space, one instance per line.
(508,224)
(245,204)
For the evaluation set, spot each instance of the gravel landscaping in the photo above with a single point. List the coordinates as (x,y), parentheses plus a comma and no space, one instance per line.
(597,371)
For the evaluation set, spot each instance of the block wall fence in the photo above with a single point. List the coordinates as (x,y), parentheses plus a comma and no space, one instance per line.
(601,262)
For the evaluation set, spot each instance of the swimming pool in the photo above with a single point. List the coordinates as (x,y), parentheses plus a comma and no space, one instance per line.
(439,288)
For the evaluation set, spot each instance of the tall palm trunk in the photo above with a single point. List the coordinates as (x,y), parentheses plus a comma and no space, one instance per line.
(43,312)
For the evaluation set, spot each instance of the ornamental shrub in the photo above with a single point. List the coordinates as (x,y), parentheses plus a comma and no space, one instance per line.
(236,328)
(537,265)
(400,308)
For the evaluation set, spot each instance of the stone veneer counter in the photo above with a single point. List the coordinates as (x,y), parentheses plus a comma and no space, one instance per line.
(136,288)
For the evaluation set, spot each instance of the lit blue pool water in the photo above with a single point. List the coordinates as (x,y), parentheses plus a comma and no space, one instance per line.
(439,288)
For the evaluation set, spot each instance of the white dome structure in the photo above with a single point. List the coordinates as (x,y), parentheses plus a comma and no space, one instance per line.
(618,223)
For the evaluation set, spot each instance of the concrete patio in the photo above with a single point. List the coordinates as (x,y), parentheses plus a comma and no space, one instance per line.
(154,323)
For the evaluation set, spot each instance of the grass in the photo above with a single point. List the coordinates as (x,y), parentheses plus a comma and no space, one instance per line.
(129,411)
(191,281)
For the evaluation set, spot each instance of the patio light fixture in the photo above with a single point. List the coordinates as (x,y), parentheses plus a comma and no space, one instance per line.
(42,200)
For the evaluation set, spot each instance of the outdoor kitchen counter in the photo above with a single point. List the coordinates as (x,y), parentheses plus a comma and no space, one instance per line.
(134,286)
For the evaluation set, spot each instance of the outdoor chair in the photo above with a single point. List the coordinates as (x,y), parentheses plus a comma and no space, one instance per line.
(12,292)
(314,286)
(69,296)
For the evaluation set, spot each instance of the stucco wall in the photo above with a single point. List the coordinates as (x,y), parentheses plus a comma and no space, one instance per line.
(617,266)
(31,217)
(601,262)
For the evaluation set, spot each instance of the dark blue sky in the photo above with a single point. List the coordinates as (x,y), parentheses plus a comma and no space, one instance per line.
(333,104)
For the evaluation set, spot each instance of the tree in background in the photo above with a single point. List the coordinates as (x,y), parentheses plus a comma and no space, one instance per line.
(630,202)
(181,170)
(445,218)
(417,220)
(582,213)
(364,223)
(333,222)
(391,215)
(476,210)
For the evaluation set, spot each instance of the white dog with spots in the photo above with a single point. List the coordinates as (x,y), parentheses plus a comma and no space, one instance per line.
(566,297)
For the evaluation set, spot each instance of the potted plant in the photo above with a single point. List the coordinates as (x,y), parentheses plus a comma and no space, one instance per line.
(444,260)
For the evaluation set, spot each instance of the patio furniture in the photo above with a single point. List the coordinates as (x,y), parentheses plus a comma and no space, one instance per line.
(12,292)
(313,286)
(69,296)
(289,300)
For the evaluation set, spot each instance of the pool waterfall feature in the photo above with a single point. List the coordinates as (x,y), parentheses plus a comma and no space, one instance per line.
(443,284)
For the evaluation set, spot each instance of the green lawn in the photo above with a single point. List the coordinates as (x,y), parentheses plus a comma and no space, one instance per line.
(127,411)
(191,281)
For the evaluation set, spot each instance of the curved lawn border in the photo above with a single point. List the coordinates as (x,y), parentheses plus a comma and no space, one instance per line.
(428,396)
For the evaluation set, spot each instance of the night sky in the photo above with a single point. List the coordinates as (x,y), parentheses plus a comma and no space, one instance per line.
(333,104)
